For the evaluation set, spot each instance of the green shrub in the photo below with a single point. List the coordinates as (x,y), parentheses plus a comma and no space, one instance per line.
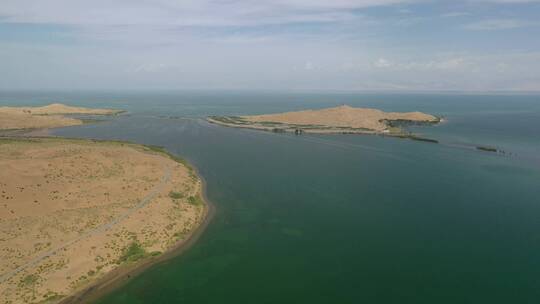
(29,280)
(195,200)
(176,195)
(132,253)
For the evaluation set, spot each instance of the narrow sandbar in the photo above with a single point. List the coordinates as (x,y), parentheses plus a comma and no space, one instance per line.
(50,116)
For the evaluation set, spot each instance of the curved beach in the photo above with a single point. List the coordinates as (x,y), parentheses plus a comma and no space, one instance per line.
(121,276)
(131,229)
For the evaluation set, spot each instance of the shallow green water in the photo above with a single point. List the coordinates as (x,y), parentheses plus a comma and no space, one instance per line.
(350,219)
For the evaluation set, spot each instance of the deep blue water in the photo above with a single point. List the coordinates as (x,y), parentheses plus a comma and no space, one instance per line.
(342,218)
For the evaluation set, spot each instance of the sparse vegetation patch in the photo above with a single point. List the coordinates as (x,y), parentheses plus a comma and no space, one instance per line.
(132,253)
(176,195)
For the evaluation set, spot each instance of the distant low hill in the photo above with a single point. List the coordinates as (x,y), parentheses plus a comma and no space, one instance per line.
(341,119)
(49,116)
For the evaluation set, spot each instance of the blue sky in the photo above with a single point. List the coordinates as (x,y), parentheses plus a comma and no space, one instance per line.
(464,45)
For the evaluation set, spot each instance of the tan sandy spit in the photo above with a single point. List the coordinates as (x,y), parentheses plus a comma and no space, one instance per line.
(73,210)
(336,119)
(50,116)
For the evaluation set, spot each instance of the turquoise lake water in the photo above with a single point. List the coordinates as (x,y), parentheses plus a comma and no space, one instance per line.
(342,218)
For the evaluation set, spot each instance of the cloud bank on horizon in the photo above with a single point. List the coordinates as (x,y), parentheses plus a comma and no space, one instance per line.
(469,45)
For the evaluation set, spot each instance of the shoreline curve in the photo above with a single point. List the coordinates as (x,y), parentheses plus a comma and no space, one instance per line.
(125,273)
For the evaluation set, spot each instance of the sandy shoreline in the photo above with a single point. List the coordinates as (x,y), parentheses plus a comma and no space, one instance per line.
(337,120)
(50,116)
(122,275)
(111,279)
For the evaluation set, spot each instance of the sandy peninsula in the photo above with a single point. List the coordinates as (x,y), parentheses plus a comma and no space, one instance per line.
(341,119)
(74,211)
(50,116)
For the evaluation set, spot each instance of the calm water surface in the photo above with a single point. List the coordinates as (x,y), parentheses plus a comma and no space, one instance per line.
(343,218)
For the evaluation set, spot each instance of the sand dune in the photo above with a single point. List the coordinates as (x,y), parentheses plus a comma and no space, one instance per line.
(339,119)
(50,116)
(73,210)
(342,116)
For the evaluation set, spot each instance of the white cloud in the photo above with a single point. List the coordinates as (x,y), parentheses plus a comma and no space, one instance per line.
(455,14)
(309,66)
(382,63)
(474,72)
(182,13)
(445,64)
(224,43)
(506,1)
(150,67)
(497,24)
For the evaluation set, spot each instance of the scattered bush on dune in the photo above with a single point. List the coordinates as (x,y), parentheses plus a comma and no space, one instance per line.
(132,253)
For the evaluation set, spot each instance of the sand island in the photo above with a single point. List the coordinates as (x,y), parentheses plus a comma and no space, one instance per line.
(341,119)
(74,211)
(50,116)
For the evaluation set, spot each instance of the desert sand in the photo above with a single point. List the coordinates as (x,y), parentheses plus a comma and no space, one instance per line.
(72,211)
(50,116)
(341,119)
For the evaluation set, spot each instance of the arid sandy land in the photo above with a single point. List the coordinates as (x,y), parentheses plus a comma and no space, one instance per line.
(73,210)
(50,116)
(339,119)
